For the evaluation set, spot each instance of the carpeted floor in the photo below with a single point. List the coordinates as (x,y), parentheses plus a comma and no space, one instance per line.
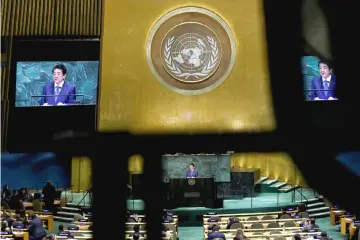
(333,231)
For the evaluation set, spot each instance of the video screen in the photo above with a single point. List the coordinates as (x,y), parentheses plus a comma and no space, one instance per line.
(50,83)
(319,79)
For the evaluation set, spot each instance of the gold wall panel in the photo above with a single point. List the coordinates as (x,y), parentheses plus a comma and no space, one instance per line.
(51,17)
(5,103)
(132,99)
(136,164)
(81,172)
(273,165)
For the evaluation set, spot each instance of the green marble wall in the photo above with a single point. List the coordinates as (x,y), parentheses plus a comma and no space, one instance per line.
(218,166)
(31,77)
(309,70)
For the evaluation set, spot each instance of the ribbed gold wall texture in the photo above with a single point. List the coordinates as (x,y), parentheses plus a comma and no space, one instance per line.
(4,74)
(81,173)
(5,103)
(50,17)
(273,165)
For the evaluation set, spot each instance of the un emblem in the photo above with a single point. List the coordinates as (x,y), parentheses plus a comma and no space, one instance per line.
(191,57)
(191,50)
(191,181)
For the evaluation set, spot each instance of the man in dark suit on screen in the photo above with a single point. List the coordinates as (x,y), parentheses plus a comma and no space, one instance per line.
(58,92)
(326,83)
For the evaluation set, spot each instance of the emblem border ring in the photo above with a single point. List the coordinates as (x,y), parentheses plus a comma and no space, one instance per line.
(194,10)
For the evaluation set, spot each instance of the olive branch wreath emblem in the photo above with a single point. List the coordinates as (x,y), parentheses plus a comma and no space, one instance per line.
(205,71)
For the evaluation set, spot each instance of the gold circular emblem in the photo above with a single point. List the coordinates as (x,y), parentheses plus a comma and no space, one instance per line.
(191,181)
(191,50)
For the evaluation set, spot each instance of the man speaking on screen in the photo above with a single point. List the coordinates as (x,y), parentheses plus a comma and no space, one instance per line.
(192,172)
(324,86)
(58,92)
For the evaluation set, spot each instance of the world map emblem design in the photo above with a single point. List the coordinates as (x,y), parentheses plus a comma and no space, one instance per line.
(191,50)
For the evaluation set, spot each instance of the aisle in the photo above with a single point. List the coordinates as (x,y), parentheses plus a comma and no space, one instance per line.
(333,231)
(191,233)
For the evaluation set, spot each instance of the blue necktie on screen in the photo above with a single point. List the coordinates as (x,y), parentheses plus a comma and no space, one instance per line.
(326,87)
(57,92)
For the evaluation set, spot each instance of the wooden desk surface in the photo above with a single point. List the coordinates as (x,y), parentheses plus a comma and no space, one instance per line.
(248,225)
(288,229)
(24,235)
(30,204)
(352,230)
(333,214)
(343,224)
(248,214)
(266,221)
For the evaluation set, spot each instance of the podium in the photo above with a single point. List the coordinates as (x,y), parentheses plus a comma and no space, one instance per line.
(190,192)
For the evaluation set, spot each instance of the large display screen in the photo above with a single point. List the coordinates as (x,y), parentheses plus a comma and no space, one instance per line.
(50,83)
(319,79)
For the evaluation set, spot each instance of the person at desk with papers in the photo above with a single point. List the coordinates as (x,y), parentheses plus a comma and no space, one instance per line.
(192,172)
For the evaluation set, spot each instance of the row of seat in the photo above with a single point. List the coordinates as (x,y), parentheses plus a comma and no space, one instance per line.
(258,225)
(48,219)
(256,218)
(281,236)
(83,227)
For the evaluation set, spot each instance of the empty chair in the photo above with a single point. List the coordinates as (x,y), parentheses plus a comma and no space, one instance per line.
(275,232)
(252,219)
(236,226)
(290,224)
(285,216)
(279,238)
(273,225)
(267,217)
(304,215)
(257,226)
